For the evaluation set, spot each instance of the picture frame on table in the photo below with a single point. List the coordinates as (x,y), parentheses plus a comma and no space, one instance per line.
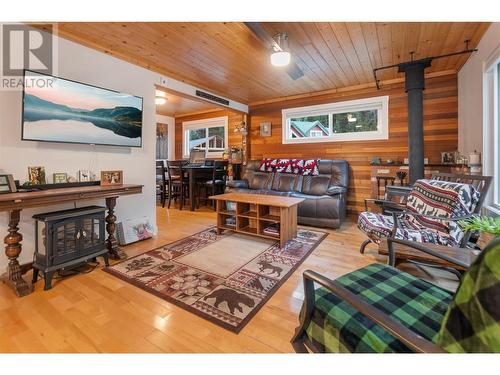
(111,178)
(7,184)
(36,175)
(84,175)
(60,178)
(448,157)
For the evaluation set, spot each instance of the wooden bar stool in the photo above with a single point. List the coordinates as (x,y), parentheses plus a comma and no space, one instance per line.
(386,179)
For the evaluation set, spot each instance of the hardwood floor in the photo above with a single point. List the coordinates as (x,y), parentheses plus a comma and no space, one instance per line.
(97,312)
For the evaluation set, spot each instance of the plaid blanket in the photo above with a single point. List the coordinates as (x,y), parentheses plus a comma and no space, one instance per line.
(472,322)
(338,327)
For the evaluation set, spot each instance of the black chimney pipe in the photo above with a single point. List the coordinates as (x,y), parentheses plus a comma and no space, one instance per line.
(414,87)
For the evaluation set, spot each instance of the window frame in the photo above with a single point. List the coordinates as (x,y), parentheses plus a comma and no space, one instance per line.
(496,136)
(379,103)
(491,129)
(496,200)
(207,123)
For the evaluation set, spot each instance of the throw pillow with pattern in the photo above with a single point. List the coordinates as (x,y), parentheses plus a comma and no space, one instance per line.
(297,166)
(284,166)
(310,167)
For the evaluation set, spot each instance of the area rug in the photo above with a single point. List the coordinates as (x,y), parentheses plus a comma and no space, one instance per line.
(224,278)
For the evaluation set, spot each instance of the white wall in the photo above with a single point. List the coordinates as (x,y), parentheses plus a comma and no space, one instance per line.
(470,92)
(84,65)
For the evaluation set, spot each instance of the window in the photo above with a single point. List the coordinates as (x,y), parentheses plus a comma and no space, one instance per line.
(355,120)
(497,137)
(207,134)
(496,132)
(491,130)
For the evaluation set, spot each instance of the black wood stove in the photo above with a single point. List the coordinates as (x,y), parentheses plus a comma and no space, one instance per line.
(67,238)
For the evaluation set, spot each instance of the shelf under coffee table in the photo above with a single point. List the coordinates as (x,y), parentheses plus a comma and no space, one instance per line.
(253,213)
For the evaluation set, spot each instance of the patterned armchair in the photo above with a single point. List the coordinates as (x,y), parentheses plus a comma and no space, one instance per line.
(429,215)
(381,309)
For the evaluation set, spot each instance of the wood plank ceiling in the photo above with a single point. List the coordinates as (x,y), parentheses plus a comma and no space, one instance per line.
(228,59)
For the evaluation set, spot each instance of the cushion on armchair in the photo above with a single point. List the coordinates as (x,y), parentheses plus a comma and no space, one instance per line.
(472,322)
(338,327)
(377,226)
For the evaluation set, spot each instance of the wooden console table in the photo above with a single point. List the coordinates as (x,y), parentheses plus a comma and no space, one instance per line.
(13,203)
(380,174)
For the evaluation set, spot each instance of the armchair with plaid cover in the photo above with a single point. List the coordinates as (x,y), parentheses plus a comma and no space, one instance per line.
(381,309)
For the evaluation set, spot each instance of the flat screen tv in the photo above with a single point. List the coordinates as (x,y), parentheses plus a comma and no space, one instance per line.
(66,111)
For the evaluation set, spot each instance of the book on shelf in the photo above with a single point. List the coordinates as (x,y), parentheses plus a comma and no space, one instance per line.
(230,206)
(230,221)
(272,229)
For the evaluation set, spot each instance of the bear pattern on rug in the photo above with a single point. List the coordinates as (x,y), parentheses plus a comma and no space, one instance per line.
(229,302)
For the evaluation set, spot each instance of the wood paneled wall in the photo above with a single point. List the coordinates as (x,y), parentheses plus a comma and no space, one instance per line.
(233,119)
(440,132)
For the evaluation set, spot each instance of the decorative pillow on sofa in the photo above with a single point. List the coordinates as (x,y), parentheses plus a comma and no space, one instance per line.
(297,166)
(263,165)
(268,165)
(310,168)
(284,166)
(290,166)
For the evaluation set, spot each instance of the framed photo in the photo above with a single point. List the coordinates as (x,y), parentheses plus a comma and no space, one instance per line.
(111,178)
(265,129)
(448,157)
(36,175)
(84,175)
(60,178)
(7,184)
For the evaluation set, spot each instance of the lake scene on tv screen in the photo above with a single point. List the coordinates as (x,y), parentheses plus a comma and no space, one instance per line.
(67,111)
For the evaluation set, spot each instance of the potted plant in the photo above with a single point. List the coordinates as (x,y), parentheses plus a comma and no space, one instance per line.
(489,228)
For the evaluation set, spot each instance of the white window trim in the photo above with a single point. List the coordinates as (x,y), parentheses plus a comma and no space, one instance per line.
(204,123)
(381,103)
(491,133)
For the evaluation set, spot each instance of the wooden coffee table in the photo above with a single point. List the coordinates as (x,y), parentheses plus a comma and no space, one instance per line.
(253,213)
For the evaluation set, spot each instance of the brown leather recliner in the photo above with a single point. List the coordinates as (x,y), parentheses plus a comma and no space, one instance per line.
(325,194)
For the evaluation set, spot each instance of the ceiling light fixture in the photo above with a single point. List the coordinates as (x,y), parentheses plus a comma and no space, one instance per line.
(280,55)
(160,97)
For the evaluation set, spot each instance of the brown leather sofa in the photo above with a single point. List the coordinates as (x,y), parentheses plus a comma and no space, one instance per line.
(325,194)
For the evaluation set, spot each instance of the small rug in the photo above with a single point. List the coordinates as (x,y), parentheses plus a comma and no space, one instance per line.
(223,278)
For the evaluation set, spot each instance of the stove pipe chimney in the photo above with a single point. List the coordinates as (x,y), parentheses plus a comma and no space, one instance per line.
(414,87)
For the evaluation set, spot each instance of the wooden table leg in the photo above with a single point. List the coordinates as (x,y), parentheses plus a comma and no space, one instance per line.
(191,192)
(111,243)
(12,250)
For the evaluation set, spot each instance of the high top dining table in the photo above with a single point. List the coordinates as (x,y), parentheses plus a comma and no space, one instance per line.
(195,172)
(13,203)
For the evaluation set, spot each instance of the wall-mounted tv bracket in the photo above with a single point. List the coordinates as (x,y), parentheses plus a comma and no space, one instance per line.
(425,61)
